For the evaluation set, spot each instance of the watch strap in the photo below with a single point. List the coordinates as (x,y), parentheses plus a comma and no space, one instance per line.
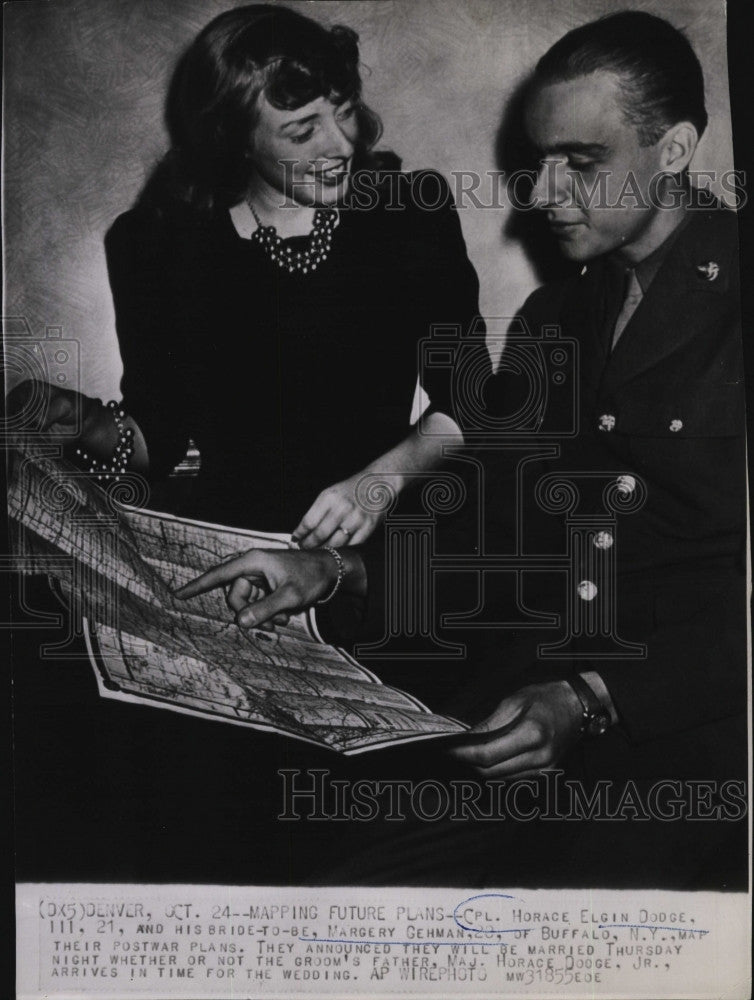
(596,718)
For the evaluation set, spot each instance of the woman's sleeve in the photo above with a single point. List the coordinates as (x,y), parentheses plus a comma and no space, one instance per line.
(447,297)
(139,266)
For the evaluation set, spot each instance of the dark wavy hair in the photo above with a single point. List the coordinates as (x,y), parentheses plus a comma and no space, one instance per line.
(213,98)
(661,78)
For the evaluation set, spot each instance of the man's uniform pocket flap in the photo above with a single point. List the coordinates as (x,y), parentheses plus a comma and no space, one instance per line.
(702,410)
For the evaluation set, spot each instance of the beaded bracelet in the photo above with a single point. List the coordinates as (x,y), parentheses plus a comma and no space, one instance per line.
(341,573)
(123,449)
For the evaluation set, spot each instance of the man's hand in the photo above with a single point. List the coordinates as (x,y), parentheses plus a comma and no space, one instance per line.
(266,585)
(527,732)
(336,518)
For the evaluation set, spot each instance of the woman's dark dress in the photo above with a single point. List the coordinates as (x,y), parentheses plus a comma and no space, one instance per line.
(287,383)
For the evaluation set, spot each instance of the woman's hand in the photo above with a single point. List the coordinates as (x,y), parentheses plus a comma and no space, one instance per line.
(71,419)
(336,518)
(267,586)
(40,407)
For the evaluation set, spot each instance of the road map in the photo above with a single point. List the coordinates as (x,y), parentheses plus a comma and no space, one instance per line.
(119,565)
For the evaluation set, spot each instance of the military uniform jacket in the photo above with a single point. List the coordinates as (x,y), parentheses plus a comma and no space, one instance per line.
(642,483)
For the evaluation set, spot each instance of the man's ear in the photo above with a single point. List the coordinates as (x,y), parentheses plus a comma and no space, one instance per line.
(677,147)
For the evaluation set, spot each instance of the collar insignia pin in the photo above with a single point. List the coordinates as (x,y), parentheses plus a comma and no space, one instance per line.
(708,270)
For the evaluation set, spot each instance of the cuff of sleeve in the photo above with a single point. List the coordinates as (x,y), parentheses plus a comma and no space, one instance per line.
(595,682)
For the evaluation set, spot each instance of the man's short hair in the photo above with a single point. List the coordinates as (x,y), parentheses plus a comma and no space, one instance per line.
(662,81)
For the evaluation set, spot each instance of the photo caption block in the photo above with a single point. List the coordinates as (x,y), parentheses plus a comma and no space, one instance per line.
(155,941)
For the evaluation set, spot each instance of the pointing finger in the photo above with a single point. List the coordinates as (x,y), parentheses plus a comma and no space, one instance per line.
(248,564)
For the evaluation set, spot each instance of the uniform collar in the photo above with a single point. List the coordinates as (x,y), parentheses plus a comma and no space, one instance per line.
(702,265)
(647,269)
(680,301)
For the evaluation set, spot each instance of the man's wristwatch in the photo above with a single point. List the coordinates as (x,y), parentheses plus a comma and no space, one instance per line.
(596,718)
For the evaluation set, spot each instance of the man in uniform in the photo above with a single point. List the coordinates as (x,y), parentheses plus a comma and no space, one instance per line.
(615,111)
(650,683)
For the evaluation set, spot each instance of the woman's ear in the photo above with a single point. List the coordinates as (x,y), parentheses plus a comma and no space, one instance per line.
(677,147)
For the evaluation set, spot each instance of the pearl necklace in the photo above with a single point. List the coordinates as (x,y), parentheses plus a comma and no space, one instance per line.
(320,240)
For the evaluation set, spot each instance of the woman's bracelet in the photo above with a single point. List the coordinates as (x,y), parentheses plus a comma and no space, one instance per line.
(341,573)
(123,449)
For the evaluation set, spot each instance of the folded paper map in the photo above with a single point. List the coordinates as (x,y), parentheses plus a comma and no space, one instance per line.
(120,564)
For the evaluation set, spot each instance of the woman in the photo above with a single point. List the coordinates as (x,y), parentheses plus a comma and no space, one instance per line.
(270,298)
(292,380)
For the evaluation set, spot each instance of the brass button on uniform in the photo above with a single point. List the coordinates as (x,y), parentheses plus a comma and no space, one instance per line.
(708,270)
(607,422)
(676,425)
(603,540)
(587,591)
(626,484)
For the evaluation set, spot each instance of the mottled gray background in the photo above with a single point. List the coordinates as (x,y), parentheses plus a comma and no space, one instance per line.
(85,83)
